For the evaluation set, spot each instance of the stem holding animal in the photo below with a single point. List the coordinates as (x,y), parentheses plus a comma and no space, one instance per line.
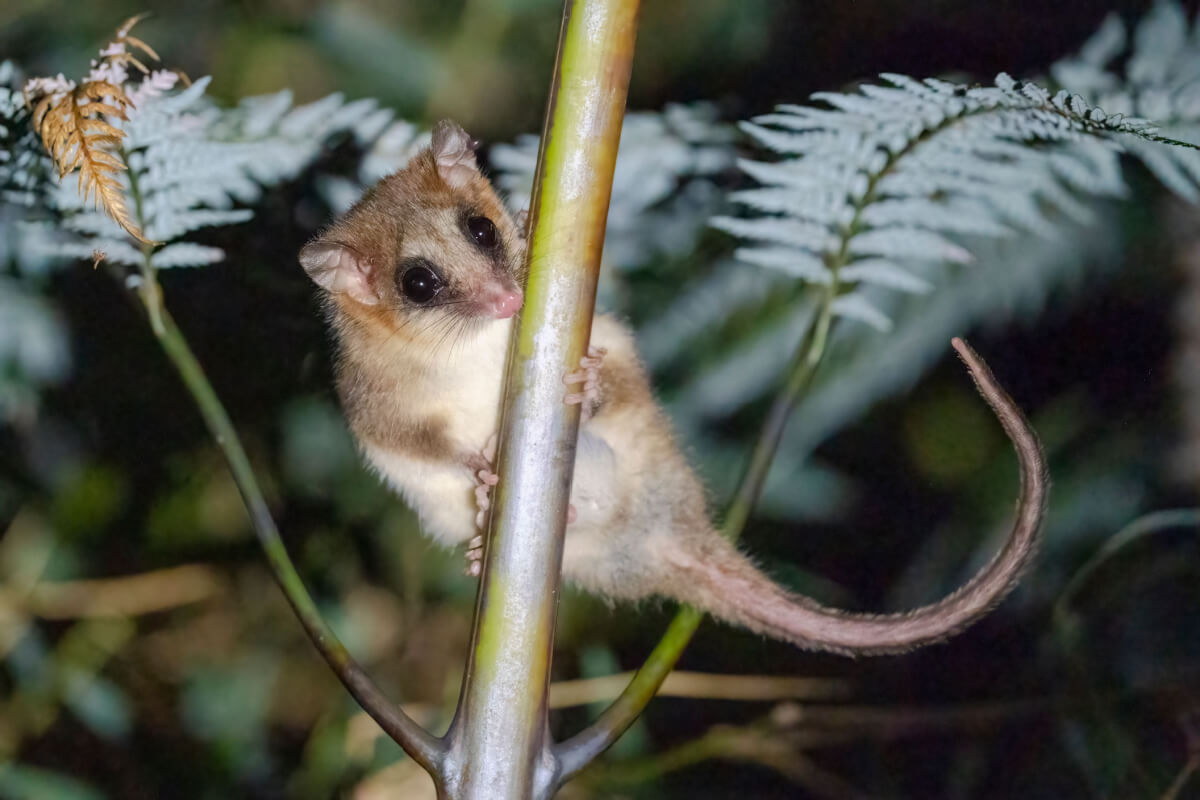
(500,745)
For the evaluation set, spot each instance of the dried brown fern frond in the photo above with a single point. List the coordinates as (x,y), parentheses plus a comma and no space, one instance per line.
(74,123)
(116,49)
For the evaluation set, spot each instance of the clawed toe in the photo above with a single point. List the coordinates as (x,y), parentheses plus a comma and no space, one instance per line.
(589,376)
(483,500)
(485,479)
(474,557)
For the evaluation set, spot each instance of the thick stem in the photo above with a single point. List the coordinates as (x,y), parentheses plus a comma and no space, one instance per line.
(500,747)
(424,748)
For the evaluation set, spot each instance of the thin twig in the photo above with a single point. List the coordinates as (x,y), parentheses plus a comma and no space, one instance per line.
(768,741)
(418,743)
(700,685)
(1181,780)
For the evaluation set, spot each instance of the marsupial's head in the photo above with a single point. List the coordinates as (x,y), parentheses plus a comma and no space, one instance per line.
(428,250)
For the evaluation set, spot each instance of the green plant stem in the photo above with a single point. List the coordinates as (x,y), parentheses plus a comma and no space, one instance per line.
(424,748)
(500,741)
(580,750)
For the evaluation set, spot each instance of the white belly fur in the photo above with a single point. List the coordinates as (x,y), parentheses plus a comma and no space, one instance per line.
(442,493)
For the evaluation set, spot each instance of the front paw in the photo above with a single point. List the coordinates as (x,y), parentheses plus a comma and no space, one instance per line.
(589,375)
(481,469)
(480,465)
(484,481)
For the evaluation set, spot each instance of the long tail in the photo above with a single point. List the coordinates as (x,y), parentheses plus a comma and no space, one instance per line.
(725,583)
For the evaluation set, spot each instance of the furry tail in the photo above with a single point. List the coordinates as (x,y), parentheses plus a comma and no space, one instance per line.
(726,584)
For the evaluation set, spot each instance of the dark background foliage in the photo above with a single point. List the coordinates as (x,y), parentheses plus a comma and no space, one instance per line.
(222,697)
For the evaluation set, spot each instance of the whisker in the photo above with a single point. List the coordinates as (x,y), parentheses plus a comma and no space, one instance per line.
(449,329)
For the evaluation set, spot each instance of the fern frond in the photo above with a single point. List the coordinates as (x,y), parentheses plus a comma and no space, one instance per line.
(24,169)
(77,140)
(1160,81)
(662,190)
(890,176)
(1011,278)
(189,163)
(861,180)
(75,124)
(34,349)
(703,306)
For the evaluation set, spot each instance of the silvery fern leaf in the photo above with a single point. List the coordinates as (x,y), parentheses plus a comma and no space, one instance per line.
(1161,81)
(388,143)
(33,349)
(702,306)
(26,176)
(1011,277)
(191,164)
(895,175)
(662,189)
(747,369)
(973,180)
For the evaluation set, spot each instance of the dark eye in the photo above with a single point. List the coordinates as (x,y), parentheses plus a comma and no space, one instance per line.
(483,232)
(420,283)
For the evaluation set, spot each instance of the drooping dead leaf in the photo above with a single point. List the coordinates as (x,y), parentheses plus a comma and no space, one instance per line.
(73,122)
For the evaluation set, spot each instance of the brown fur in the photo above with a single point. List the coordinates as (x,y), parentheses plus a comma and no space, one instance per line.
(421,389)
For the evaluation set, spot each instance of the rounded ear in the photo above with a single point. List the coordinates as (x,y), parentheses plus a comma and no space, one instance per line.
(454,153)
(339,269)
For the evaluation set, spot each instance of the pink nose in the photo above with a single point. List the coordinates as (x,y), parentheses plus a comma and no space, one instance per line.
(505,303)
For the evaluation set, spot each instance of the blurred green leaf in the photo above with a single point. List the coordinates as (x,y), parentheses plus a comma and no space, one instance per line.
(950,435)
(226,703)
(19,782)
(202,506)
(99,703)
(317,447)
(89,501)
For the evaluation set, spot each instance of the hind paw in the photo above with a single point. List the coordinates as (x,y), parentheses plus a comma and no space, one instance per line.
(474,554)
